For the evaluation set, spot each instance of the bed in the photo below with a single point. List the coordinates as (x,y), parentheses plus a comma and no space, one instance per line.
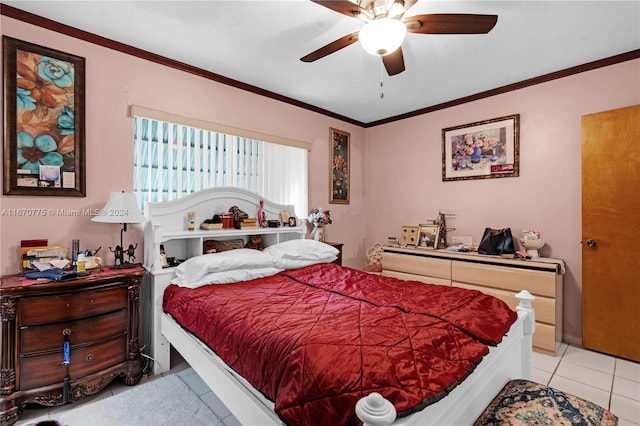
(456,372)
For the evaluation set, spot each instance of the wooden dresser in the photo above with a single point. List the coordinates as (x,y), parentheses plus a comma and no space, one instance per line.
(493,275)
(97,315)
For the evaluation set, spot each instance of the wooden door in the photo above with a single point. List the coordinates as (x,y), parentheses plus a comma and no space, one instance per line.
(610,232)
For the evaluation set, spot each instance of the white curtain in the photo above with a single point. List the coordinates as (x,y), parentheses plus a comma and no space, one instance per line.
(172,160)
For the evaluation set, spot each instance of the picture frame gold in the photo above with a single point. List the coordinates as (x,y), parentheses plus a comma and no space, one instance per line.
(339,169)
(429,236)
(44,117)
(482,150)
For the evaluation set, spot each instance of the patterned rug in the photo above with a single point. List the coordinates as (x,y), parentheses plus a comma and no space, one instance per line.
(522,402)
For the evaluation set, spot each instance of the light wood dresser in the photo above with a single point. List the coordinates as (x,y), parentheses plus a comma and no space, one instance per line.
(493,275)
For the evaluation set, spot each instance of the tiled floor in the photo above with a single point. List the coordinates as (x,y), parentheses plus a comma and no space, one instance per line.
(605,380)
(610,382)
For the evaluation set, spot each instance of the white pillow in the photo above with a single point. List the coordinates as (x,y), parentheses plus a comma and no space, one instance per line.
(227,277)
(298,253)
(195,268)
(294,264)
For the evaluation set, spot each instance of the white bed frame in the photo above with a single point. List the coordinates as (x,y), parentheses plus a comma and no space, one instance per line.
(509,360)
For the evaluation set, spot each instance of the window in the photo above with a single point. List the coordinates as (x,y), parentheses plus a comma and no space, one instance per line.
(174,159)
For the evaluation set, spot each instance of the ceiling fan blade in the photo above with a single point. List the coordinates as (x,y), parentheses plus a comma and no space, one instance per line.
(450,23)
(332,47)
(394,62)
(346,8)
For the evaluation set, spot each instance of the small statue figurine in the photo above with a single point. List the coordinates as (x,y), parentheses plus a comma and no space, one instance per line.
(262,216)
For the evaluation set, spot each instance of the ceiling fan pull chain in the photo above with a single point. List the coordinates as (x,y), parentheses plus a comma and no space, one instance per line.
(381,81)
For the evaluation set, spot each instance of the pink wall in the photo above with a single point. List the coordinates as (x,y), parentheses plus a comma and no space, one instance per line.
(396,168)
(113,82)
(403,170)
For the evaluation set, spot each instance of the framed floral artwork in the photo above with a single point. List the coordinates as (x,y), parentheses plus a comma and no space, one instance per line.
(339,165)
(486,149)
(44,119)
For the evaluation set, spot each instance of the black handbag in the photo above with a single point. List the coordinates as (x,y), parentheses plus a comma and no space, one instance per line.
(497,242)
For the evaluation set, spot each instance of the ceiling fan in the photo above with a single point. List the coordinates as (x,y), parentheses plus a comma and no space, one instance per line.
(386,27)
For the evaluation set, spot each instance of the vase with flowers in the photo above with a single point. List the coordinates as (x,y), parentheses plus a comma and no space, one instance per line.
(319,219)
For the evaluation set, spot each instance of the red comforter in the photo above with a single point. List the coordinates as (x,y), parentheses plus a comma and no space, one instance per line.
(314,340)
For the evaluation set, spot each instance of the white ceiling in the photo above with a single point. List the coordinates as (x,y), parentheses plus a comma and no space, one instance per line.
(260,43)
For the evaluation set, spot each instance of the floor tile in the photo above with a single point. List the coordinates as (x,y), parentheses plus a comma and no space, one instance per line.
(197,385)
(590,359)
(625,408)
(541,376)
(586,375)
(545,362)
(213,402)
(627,388)
(628,369)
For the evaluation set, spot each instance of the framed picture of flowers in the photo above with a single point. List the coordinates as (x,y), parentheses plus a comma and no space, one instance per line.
(44,118)
(339,165)
(486,149)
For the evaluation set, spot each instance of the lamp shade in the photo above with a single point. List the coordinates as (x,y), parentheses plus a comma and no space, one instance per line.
(382,36)
(121,207)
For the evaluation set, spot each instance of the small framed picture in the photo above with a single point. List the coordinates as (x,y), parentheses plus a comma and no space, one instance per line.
(284,217)
(429,237)
(292,221)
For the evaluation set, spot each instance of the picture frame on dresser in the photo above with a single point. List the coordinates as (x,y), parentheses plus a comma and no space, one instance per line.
(44,115)
(429,236)
(482,150)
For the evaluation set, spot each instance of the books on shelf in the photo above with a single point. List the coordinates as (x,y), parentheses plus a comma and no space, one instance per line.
(250,222)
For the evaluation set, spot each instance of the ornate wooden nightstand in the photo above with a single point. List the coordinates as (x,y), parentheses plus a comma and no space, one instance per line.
(338,261)
(62,341)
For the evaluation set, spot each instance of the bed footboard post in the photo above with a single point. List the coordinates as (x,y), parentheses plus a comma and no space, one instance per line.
(525,309)
(375,410)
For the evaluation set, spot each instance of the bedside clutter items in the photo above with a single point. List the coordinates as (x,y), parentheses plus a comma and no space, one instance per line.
(374,259)
(319,219)
(532,242)
(497,242)
(429,235)
(409,236)
(121,207)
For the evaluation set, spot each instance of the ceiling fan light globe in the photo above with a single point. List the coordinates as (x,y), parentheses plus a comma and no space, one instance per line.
(382,36)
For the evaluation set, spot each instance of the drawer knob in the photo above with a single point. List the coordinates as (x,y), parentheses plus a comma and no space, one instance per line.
(89,357)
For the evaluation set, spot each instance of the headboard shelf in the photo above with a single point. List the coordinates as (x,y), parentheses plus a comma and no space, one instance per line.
(167,223)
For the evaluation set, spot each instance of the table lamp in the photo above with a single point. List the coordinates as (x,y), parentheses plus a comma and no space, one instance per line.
(121,208)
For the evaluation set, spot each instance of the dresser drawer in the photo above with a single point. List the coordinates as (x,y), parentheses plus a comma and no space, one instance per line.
(544,307)
(414,277)
(46,369)
(36,338)
(507,278)
(415,264)
(67,307)
(546,338)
